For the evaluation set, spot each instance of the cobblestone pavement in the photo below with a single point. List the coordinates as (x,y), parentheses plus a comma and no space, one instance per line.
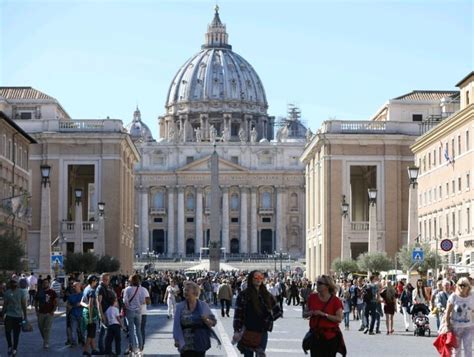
(285,340)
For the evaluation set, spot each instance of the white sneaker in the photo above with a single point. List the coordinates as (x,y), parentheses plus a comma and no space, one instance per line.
(46,346)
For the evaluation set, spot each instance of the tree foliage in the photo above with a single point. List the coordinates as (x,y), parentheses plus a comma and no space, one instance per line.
(345,266)
(11,250)
(106,263)
(405,258)
(374,262)
(80,262)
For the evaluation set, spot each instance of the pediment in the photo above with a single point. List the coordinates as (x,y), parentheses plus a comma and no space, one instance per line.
(204,165)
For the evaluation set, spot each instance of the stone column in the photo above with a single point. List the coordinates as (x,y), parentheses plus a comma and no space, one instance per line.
(253,221)
(372,227)
(181,237)
(243,220)
(171,238)
(280,219)
(345,244)
(214,242)
(225,219)
(412,214)
(144,232)
(199,216)
(78,233)
(44,259)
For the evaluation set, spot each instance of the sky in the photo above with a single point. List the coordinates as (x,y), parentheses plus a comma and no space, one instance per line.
(334,59)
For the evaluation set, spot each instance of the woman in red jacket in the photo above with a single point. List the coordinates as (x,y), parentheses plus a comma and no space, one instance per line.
(325,313)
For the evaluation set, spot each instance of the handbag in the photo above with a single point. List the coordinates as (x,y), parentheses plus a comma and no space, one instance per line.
(26,326)
(312,336)
(251,339)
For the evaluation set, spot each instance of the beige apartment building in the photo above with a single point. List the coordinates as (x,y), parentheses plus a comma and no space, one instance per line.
(445,157)
(87,201)
(347,158)
(15,178)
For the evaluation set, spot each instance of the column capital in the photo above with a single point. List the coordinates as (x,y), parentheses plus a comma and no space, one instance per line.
(253,189)
(225,189)
(181,188)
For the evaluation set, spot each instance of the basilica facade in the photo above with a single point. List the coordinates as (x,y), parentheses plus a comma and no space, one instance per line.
(216,101)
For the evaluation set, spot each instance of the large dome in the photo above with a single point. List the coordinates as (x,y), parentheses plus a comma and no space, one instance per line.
(137,129)
(216,79)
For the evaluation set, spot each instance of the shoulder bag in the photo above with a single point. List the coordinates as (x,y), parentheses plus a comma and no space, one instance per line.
(124,309)
(313,336)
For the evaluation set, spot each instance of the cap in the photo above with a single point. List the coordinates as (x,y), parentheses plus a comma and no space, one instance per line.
(91,278)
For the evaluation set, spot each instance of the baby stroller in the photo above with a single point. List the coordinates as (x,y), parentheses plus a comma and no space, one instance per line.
(420,319)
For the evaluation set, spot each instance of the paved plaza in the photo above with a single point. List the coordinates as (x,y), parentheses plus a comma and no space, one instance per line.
(285,340)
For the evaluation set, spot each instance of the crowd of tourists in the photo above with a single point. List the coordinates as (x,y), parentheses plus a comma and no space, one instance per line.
(102,309)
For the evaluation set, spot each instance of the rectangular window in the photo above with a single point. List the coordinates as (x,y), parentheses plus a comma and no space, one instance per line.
(468,219)
(440,192)
(234,220)
(453,187)
(234,159)
(467,97)
(467,140)
(266,220)
(158,220)
(417,117)
(190,219)
(434,158)
(468,181)
(447,224)
(429,161)
(454,223)
(459,184)
(447,188)
(234,129)
(459,145)
(26,115)
(189,159)
(452,149)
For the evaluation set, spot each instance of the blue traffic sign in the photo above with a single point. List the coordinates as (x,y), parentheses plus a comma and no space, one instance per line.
(57,260)
(418,255)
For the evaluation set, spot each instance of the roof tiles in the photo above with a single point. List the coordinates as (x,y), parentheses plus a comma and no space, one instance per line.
(23,93)
(426,95)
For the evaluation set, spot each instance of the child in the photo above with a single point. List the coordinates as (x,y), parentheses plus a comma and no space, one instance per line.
(114,325)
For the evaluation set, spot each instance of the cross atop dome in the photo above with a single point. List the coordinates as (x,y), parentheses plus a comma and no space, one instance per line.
(137,116)
(216,36)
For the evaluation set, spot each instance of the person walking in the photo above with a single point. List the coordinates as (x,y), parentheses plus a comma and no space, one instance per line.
(45,306)
(32,288)
(104,300)
(13,314)
(255,312)
(371,297)
(90,315)
(144,311)
(115,325)
(325,313)
(224,295)
(170,297)
(459,317)
(133,299)
(74,330)
(389,296)
(441,301)
(193,322)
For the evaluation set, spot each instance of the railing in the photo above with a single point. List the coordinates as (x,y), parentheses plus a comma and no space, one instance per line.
(359,226)
(370,127)
(265,210)
(86,125)
(69,226)
(155,210)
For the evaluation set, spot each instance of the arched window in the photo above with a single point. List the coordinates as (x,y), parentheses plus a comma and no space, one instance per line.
(190,201)
(266,200)
(294,200)
(159,200)
(234,202)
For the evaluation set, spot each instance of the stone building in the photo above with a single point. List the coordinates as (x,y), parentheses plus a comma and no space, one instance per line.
(347,158)
(15,177)
(445,158)
(93,158)
(217,99)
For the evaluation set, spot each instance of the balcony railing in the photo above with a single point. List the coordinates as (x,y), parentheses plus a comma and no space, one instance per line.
(69,226)
(371,127)
(359,226)
(263,210)
(156,210)
(86,125)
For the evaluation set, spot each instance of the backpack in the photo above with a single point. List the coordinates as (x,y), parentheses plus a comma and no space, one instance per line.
(367,294)
(23,283)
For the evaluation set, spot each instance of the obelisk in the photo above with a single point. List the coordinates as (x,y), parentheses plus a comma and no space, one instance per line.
(214,243)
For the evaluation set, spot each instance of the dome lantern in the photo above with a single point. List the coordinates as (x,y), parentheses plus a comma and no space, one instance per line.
(216,36)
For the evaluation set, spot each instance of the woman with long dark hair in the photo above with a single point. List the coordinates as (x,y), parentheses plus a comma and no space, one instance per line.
(325,314)
(420,298)
(255,311)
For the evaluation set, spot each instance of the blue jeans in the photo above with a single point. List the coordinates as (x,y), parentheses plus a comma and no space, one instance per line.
(346,318)
(142,330)
(263,345)
(134,328)
(371,309)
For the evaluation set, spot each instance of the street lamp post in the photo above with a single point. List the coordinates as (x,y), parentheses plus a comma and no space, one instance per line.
(275,259)
(44,264)
(413,172)
(281,261)
(344,213)
(78,233)
(101,239)
(372,220)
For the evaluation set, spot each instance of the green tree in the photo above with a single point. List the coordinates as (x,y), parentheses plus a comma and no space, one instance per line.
(80,262)
(345,266)
(430,257)
(106,263)
(374,262)
(11,250)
